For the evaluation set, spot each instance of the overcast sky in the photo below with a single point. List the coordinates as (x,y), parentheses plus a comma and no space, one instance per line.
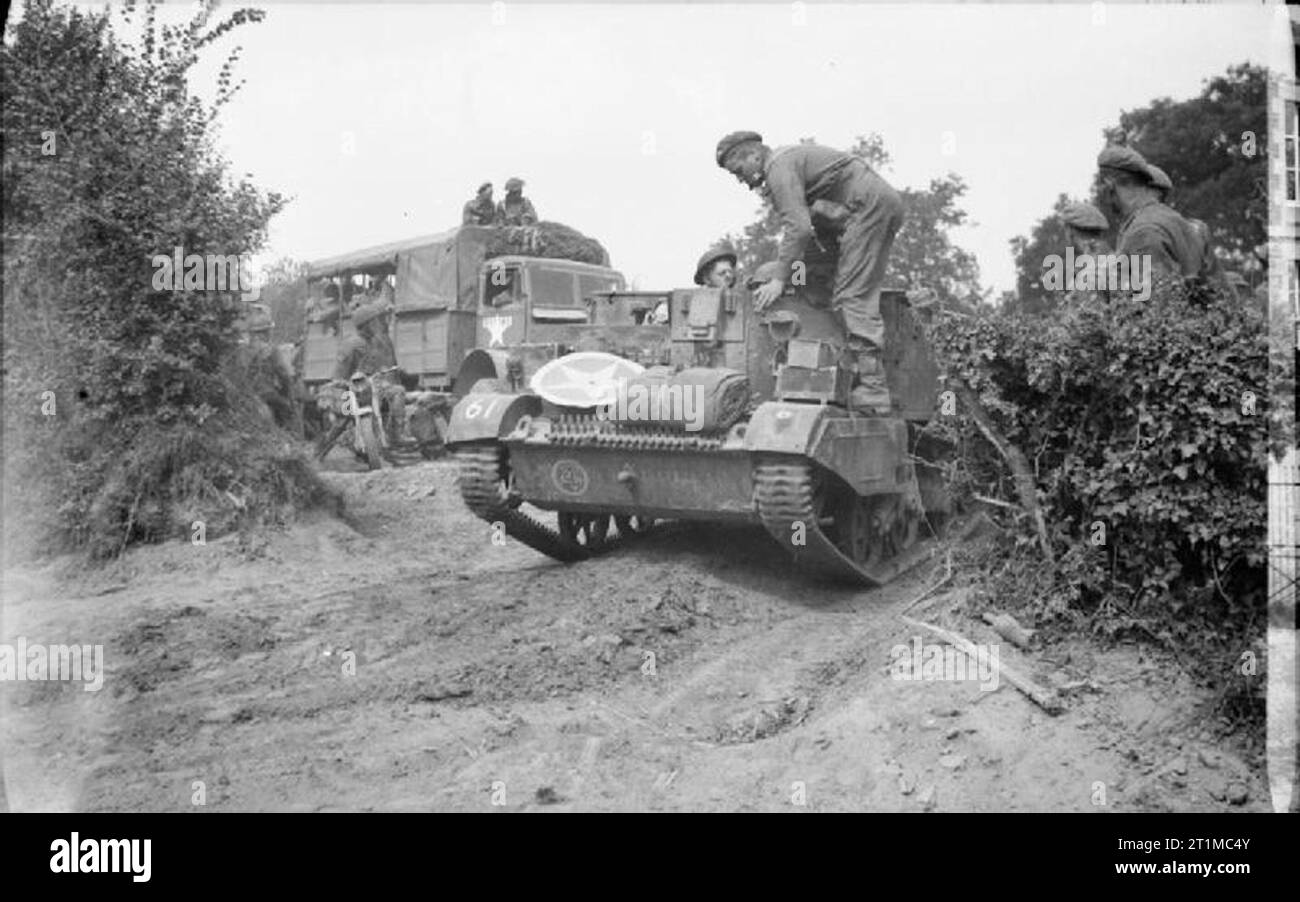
(381,119)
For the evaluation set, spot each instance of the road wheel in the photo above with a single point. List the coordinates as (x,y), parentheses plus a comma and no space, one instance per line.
(633,527)
(588,530)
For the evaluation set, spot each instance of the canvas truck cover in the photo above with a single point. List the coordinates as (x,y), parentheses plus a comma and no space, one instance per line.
(443,274)
(376,257)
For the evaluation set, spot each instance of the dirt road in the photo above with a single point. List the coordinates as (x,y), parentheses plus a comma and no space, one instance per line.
(412,664)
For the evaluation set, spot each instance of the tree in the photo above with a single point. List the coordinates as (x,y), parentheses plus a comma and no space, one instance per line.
(923,255)
(1049,236)
(284,291)
(109,161)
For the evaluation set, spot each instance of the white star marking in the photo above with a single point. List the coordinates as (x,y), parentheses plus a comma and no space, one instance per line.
(496,326)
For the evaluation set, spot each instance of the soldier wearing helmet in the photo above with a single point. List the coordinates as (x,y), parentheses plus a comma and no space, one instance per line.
(369,351)
(717,267)
(807,180)
(515,209)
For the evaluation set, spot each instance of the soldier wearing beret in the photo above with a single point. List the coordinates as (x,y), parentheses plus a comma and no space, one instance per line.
(1147,226)
(515,209)
(1086,227)
(480,210)
(841,190)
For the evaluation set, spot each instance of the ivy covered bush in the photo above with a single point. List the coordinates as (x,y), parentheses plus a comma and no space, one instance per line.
(1145,425)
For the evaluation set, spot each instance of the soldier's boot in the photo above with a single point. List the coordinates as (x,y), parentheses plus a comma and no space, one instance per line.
(871,394)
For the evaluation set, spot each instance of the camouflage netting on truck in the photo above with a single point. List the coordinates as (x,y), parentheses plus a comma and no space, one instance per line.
(546,239)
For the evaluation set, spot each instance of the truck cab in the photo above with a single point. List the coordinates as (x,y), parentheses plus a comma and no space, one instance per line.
(530,300)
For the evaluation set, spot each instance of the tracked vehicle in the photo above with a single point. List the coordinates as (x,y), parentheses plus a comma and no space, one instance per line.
(851,496)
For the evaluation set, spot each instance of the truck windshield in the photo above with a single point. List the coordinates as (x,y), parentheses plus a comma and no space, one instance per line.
(553,288)
(589,285)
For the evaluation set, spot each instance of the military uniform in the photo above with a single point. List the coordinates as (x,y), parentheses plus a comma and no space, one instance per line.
(1174,246)
(1152,229)
(358,354)
(515,209)
(479,211)
(814,188)
(515,213)
(847,194)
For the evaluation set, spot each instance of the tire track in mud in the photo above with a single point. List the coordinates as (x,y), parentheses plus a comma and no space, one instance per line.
(693,670)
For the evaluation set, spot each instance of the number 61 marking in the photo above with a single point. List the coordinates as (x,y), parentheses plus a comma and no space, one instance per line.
(476,409)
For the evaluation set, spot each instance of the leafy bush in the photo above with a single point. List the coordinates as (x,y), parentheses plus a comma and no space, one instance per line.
(1146,425)
(118,409)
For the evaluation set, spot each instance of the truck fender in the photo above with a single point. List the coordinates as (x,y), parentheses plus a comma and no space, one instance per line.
(489,415)
(481,363)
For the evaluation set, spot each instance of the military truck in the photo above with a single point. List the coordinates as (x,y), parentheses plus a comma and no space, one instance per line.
(449,298)
(451,293)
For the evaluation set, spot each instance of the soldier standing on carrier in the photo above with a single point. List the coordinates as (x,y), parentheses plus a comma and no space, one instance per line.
(804,180)
(515,209)
(480,210)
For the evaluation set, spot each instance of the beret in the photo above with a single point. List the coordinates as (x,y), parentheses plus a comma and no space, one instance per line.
(721,252)
(512,184)
(732,141)
(1117,156)
(1085,218)
(1159,178)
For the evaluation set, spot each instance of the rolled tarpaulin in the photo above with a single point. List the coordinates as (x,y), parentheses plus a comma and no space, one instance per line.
(699,399)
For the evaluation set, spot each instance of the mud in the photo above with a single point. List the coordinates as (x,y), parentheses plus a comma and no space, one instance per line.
(411,664)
